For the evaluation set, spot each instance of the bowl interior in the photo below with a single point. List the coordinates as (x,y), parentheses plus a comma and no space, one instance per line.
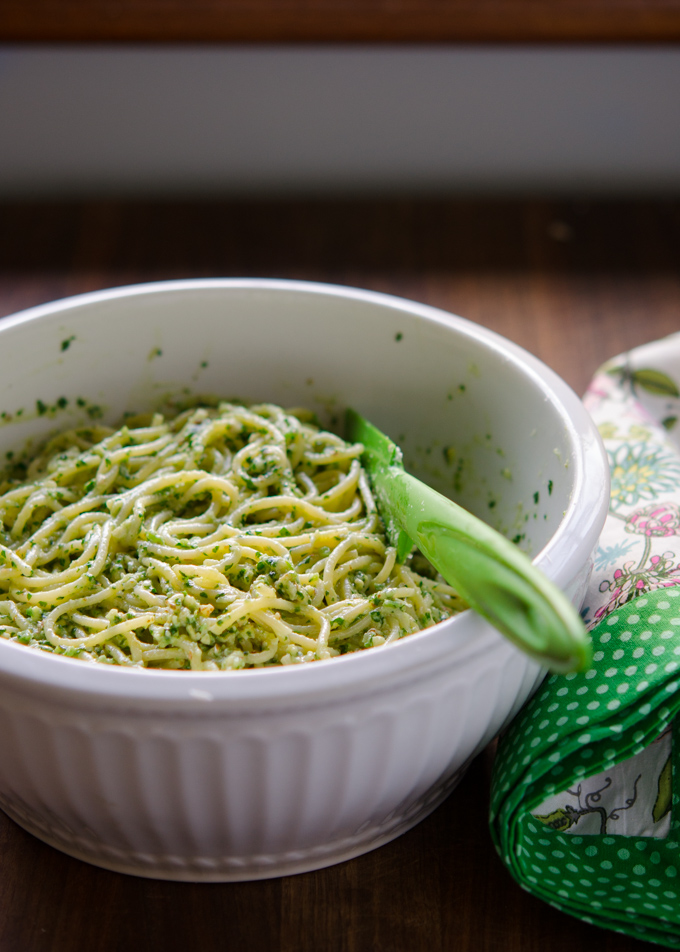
(473,418)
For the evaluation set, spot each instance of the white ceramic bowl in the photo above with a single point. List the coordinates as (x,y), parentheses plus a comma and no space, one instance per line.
(251,774)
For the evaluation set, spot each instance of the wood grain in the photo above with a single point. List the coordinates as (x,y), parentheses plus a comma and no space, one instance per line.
(573,282)
(341,21)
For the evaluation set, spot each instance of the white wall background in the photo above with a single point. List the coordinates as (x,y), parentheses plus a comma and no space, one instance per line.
(171,121)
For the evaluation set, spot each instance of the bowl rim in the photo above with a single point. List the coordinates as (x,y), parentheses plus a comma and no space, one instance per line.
(453,639)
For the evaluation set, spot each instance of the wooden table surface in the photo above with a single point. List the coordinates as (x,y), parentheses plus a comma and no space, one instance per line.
(573,282)
(340,21)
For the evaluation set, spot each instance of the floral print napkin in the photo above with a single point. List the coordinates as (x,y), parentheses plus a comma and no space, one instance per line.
(585,807)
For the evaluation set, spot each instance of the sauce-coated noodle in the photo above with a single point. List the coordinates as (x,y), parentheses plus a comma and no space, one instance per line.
(226,537)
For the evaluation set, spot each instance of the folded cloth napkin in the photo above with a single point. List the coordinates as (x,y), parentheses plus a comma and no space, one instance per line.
(585,799)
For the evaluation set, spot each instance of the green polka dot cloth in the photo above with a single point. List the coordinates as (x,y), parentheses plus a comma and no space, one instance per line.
(585,799)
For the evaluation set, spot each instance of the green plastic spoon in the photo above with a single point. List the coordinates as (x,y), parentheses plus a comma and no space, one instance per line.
(488,571)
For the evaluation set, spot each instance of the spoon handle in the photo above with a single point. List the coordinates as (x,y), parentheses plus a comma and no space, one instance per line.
(491,574)
(488,571)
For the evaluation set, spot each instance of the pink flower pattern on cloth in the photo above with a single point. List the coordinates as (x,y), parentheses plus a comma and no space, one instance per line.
(661,519)
(635,402)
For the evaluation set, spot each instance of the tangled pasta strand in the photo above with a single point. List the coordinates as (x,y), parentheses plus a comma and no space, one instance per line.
(227,537)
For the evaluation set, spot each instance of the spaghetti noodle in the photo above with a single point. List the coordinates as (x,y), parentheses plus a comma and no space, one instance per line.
(226,537)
